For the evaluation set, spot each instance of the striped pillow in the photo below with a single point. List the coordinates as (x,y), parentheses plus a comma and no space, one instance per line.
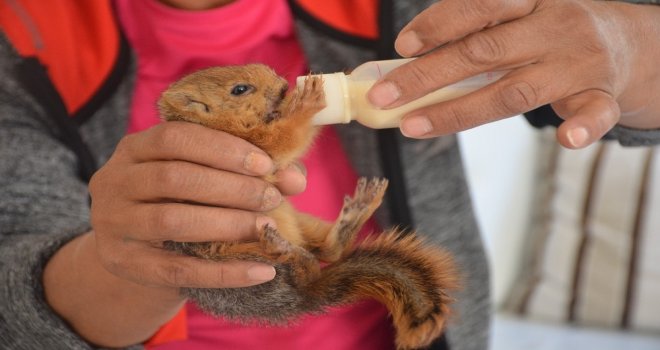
(593,255)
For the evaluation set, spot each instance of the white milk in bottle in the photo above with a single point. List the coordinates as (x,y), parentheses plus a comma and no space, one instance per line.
(346,95)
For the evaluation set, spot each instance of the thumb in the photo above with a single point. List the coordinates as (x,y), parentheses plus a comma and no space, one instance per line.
(291,180)
(588,116)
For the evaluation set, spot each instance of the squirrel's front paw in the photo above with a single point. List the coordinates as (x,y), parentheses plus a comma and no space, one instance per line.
(313,93)
(310,98)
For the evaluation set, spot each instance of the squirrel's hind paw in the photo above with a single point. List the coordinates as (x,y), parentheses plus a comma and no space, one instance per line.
(355,212)
(305,266)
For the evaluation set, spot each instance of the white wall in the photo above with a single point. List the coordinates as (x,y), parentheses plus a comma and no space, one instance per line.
(499,160)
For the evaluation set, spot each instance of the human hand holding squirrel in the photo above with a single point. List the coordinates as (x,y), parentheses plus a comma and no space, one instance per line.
(180,182)
(175,181)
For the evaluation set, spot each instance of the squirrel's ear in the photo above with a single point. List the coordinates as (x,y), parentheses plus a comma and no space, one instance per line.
(183,101)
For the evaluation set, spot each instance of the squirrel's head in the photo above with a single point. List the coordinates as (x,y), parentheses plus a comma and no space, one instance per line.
(236,99)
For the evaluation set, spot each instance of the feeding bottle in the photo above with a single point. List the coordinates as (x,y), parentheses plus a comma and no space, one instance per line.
(346,95)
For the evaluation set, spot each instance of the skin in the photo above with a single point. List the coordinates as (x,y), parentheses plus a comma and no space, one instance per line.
(595,62)
(114,285)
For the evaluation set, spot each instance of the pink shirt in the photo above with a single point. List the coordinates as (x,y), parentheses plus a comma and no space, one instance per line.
(171,43)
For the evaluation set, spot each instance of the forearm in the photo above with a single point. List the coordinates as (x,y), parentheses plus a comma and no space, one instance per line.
(102,308)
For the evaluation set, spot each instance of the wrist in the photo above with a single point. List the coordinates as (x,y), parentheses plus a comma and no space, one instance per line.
(102,308)
(639,102)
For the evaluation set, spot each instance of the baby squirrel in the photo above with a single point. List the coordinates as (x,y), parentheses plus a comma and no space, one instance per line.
(412,279)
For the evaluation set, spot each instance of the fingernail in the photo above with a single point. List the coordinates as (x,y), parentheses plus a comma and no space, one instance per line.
(300,166)
(262,221)
(577,137)
(301,174)
(261,273)
(271,198)
(383,94)
(416,126)
(408,44)
(258,163)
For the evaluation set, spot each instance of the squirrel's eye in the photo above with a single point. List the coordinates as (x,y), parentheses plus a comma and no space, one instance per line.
(241,89)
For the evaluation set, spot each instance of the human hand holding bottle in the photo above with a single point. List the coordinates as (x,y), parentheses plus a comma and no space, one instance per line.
(595,62)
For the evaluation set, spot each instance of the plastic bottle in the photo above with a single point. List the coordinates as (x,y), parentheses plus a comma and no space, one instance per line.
(346,95)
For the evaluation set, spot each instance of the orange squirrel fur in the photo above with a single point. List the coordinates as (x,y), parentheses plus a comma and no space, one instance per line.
(411,278)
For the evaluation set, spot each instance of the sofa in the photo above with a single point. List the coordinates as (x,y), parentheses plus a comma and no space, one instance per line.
(573,237)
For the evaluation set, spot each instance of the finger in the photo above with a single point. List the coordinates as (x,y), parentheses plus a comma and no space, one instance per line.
(156,267)
(517,92)
(181,222)
(589,116)
(291,180)
(197,144)
(502,47)
(449,20)
(183,181)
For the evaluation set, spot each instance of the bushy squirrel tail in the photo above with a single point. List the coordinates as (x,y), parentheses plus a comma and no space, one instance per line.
(411,278)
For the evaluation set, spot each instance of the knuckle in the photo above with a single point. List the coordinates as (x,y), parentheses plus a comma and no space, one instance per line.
(519,97)
(113,262)
(99,221)
(164,220)
(610,112)
(169,175)
(221,275)
(596,38)
(457,119)
(578,14)
(481,49)
(482,9)
(95,181)
(250,193)
(103,180)
(169,136)
(104,210)
(236,221)
(125,144)
(597,47)
(427,22)
(419,76)
(173,274)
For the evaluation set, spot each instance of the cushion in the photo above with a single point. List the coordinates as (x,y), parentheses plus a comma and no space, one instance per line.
(592,254)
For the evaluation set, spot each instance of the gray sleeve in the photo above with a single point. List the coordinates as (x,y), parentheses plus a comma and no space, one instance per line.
(634,137)
(649,2)
(43,205)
